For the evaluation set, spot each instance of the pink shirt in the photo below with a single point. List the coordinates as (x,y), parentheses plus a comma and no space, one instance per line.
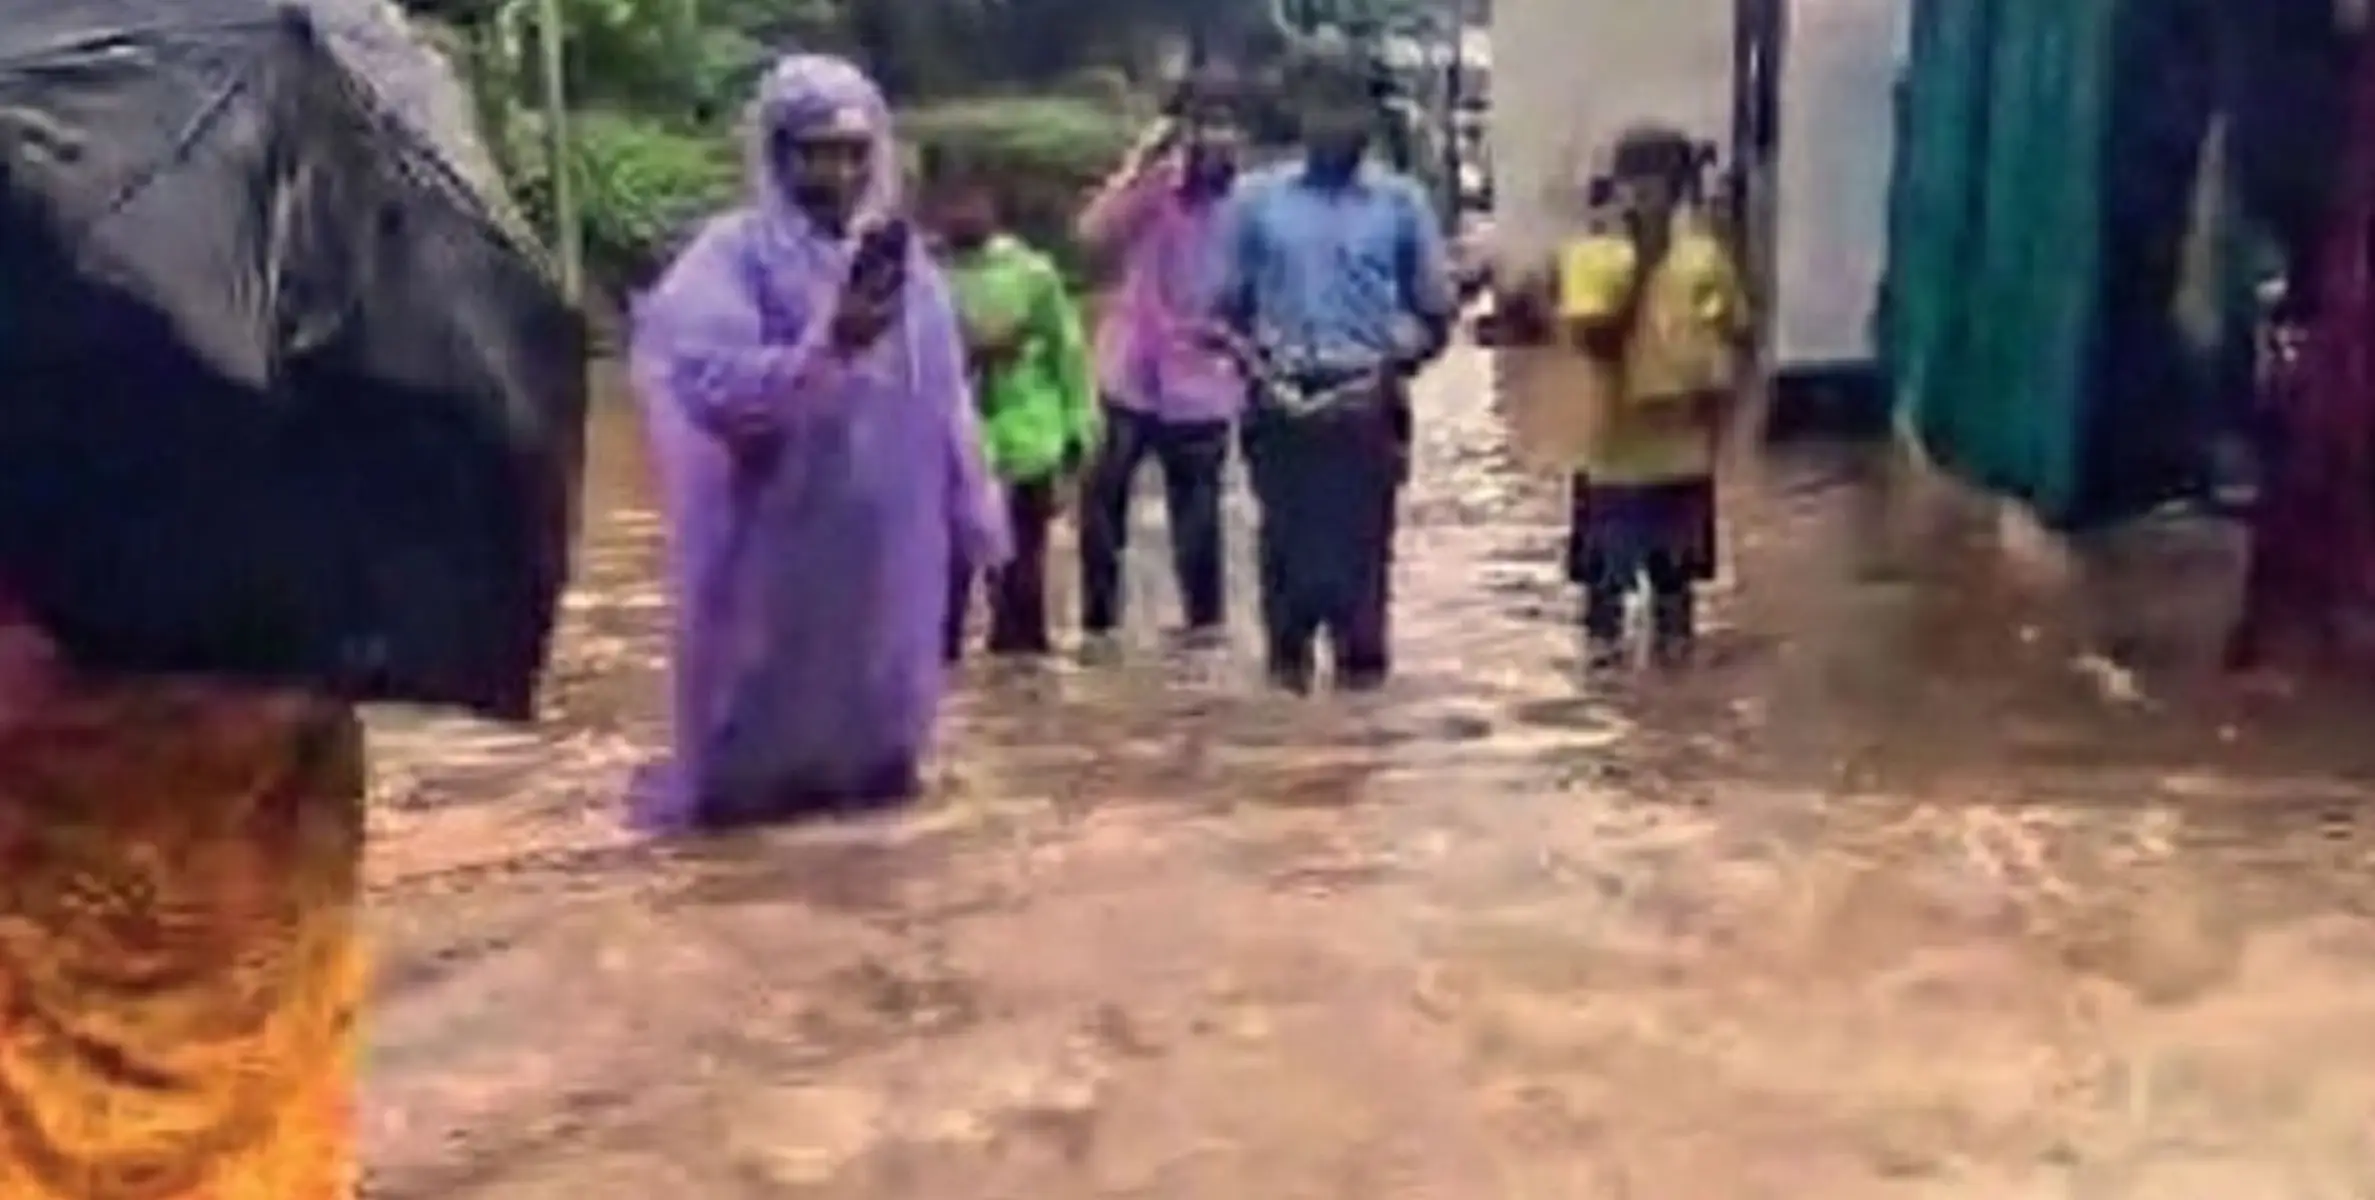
(1149,358)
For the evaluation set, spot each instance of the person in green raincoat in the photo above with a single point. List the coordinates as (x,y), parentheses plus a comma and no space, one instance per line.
(1035,383)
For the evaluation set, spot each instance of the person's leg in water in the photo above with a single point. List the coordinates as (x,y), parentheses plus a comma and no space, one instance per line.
(1404,428)
(1361,635)
(1193,456)
(1673,608)
(1290,622)
(1578,530)
(1018,593)
(1105,518)
(1605,573)
(1369,493)
(1685,558)
(1290,638)
(1607,594)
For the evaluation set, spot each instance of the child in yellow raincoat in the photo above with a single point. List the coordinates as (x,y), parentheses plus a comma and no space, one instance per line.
(1654,301)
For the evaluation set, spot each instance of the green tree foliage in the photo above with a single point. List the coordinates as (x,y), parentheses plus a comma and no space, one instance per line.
(1049,90)
(1049,150)
(642,186)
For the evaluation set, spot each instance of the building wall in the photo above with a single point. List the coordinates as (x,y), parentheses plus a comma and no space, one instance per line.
(1569,74)
(1838,131)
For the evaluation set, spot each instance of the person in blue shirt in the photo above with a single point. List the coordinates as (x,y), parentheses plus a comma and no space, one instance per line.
(1334,288)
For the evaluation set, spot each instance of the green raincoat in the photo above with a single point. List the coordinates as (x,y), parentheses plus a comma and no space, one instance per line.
(1039,406)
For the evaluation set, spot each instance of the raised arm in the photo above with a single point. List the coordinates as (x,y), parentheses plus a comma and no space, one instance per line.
(700,340)
(1122,206)
(1130,196)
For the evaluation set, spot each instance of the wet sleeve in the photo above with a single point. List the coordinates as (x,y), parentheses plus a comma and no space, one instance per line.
(1074,371)
(977,516)
(700,338)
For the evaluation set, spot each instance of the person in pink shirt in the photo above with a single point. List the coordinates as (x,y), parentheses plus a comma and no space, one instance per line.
(1167,393)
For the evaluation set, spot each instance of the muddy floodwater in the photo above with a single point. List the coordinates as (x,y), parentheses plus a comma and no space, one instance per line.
(1896,896)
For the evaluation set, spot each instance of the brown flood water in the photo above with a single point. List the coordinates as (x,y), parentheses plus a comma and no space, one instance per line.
(1886,901)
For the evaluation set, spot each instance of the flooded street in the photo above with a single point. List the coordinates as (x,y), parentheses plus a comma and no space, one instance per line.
(1886,900)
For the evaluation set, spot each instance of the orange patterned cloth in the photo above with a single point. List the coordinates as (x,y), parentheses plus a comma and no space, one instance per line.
(179,960)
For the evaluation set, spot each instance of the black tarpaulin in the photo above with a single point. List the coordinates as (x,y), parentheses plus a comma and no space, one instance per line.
(281,398)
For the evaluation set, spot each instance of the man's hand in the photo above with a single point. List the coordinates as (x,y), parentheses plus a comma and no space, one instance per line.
(862,319)
(872,298)
(1153,146)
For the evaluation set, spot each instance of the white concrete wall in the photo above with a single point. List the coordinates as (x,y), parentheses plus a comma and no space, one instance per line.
(1838,129)
(1569,74)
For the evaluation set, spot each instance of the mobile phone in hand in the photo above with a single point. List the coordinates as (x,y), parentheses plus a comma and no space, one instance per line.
(880,263)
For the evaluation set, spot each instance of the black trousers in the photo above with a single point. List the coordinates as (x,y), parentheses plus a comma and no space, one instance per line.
(1672,600)
(1018,593)
(1192,455)
(1329,487)
(1622,537)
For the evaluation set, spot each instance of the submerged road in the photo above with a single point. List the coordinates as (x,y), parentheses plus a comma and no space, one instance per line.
(1885,901)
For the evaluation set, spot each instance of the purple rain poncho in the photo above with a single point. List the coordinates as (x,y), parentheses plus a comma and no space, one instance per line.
(810,582)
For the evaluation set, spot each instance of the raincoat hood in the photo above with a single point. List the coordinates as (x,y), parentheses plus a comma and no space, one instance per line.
(807,94)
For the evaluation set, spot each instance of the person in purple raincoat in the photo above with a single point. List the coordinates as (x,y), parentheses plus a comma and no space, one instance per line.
(804,377)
